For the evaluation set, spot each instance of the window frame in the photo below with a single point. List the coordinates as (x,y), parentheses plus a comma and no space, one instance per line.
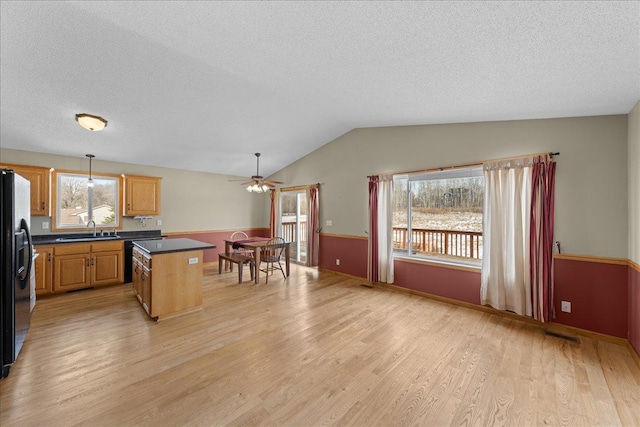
(55,205)
(452,173)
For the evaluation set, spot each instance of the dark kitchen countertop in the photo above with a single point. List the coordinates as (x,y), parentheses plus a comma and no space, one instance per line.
(49,239)
(159,246)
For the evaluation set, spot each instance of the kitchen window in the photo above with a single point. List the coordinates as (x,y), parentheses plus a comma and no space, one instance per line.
(75,203)
(438,215)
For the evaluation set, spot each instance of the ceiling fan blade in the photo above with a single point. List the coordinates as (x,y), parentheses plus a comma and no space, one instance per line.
(248,182)
(269,182)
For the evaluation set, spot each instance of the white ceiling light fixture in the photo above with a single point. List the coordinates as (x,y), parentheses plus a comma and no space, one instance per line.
(91,122)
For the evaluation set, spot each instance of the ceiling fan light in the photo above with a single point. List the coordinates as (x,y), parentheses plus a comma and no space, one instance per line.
(93,123)
(250,189)
(265,188)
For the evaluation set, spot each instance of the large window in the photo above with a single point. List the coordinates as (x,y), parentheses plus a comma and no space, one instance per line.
(76,203)
(438,215)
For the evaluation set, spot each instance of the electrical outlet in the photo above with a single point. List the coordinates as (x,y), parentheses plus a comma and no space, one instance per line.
(45,225)
(566,306)
(159,222)
(193,260)
(337,261)
(329,223)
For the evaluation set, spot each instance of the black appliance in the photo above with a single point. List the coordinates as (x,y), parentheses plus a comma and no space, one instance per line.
(16,262)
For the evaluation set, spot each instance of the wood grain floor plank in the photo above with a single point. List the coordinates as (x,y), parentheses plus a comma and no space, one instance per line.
(315,349)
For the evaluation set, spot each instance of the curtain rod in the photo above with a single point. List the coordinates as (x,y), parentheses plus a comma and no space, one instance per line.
(468,165)
(298,187)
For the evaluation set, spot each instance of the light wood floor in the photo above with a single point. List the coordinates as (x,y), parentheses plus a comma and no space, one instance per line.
(317,349)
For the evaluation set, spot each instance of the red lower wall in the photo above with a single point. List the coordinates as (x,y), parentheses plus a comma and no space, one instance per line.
(351,251)
(598,292)
(604,296)
(217,238)
(634,306)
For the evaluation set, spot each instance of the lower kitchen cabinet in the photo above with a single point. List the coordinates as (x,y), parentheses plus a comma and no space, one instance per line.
(168,284)
(84,265)
(44,270)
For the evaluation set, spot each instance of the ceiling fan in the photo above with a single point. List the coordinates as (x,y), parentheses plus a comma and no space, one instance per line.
(257,183)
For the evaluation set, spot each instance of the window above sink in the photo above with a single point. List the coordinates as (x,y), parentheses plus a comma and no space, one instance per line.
(71,196)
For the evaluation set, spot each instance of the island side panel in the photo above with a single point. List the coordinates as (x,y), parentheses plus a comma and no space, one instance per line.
(176,282)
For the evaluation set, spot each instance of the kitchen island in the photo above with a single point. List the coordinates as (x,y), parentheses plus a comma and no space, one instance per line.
(167,276)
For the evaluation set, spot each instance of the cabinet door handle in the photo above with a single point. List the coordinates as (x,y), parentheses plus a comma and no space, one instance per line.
(88,262)
(93,261)
(42,204)
(49,257)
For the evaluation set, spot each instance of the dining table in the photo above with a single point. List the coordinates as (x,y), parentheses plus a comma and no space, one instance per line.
(255,244)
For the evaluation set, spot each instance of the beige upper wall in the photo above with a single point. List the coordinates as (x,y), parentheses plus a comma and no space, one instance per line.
(591,183)
(634,184)
(191,201)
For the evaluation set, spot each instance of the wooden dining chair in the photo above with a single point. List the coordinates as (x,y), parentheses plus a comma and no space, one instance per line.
(271,255)
(240,235)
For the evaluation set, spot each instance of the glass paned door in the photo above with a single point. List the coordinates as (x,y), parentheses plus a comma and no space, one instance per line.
(293,217)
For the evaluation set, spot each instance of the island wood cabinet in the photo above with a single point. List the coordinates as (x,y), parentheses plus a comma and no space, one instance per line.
(84,265)
(142,195)
(168,284)
(39,179)
(44,270)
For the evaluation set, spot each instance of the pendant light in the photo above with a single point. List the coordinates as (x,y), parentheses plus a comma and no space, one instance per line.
(90,182)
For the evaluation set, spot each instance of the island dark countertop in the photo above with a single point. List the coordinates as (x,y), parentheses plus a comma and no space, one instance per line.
(171,245)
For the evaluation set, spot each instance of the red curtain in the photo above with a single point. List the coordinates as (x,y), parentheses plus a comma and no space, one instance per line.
(272,217)
(372,271)
(542,209)
(313,225)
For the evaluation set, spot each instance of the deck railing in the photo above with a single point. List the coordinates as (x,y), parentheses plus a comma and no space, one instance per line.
(289,232)
(466,244)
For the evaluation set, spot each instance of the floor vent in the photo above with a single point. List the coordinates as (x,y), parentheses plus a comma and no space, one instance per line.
(564,337)
(366,285)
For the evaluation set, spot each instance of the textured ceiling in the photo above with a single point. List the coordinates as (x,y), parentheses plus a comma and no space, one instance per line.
(204,85)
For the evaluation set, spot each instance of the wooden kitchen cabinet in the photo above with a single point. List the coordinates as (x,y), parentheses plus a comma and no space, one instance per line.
(39,179)
(168,284)
(84,265)
(44,270)
(142,195)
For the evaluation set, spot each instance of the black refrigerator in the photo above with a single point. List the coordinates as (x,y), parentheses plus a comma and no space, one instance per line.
(16,262)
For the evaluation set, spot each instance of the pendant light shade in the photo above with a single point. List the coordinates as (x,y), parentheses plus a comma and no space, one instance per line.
(93,123)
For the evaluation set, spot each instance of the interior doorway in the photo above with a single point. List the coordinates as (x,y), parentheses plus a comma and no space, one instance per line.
(293,220)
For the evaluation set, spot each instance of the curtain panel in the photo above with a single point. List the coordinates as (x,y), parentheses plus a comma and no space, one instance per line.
(518,236)
(313,225)
(542,228)
(380,247)
(274,216)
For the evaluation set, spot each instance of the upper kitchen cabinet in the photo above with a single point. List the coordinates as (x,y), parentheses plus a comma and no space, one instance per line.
(141,195)
(39,178)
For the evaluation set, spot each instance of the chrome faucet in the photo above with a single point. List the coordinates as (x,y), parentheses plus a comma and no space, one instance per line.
(94,227)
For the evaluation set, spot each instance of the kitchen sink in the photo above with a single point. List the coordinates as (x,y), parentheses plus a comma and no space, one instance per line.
(86,238)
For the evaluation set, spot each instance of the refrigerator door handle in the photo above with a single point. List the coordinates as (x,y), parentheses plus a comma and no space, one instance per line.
(24,257)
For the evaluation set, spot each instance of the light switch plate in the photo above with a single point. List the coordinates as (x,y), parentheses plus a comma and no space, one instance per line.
(566,306)
(159,222)
(193,260)
(45,225)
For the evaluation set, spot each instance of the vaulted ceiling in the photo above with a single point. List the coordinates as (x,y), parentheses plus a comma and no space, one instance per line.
(204,85)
